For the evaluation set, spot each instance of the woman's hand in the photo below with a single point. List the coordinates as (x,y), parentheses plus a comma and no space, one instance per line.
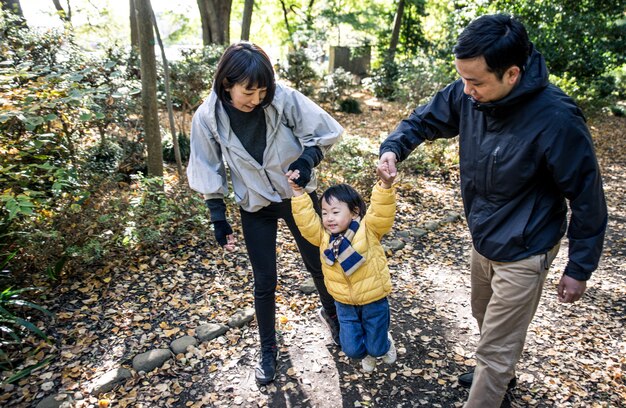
(224,235)
(292,176)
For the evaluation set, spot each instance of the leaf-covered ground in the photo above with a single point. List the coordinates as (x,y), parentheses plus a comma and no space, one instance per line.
(575,354)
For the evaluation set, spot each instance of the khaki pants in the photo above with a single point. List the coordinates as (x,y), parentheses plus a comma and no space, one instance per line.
(505,296)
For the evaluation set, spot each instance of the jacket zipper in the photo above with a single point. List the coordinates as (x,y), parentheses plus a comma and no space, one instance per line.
(492,166)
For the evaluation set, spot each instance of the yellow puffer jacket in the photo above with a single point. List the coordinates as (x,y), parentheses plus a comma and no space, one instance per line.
(371,281)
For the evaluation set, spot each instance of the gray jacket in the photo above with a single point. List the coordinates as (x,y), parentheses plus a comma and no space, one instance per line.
(293,122)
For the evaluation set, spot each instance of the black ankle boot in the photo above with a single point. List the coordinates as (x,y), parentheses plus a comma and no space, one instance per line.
(466,379)
(265,370)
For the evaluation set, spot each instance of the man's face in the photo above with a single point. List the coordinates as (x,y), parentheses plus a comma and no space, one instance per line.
(482,85)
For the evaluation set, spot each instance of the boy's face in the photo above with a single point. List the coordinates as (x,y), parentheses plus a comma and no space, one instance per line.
(481,84)
(336,216)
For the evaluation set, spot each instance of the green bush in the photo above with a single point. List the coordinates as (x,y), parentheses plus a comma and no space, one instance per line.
(420,78)
(59,104)
(168,148)
(384,81)
(16,325)
(352,161)
(191,78)
(103,158)
(350,105)
(336,85)
(438,156)
(298,71)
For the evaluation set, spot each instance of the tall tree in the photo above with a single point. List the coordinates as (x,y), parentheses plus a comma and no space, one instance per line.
(14,7)
(168,99)
(65,15)
(149,88)
(134,35)
(215,17)
(247,19)
(395,34)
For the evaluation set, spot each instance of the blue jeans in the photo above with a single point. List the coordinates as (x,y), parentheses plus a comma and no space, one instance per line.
(364,328)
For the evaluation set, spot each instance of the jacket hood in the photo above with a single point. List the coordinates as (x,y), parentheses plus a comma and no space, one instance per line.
(534,79)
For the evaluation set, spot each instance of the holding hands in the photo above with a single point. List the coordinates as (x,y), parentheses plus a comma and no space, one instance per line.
(386,169)
(293,176)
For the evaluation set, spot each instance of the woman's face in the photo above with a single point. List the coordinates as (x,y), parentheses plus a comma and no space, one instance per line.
(246,99)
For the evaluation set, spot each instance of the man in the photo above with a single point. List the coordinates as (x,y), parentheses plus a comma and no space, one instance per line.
(524,150)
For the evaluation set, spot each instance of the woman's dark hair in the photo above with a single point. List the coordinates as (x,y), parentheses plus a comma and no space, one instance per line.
(345,194)
(499,38)
(247,64)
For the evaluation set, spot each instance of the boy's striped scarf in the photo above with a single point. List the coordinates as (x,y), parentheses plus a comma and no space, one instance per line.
(340,249)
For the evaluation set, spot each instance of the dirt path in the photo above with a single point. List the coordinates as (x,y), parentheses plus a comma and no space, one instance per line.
(575,354)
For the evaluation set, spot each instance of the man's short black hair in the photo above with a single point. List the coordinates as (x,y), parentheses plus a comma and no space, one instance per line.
(501,39)
(246,64)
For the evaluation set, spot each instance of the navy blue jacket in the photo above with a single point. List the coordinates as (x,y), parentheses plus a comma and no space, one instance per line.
(521,157)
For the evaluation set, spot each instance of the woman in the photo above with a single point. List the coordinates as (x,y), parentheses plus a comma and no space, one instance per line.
(262,130)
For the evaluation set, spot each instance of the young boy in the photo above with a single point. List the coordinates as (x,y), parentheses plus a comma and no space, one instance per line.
(354,262)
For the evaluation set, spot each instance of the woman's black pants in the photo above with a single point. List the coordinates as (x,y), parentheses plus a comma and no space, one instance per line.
(259,232)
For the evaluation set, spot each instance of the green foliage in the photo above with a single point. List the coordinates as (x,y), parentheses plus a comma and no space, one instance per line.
(16,325)
(59,104)
(581,40)
(433,157)
(168,148)
(420,78)
(192,74)
(103,158)
(336,85)
(336,90)
(350,105)
(384,80)
(298,71)
(352,161)
(411,39)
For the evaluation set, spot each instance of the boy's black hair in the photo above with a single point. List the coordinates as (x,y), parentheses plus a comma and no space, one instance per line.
(345,194)
(247,64)
(499,38)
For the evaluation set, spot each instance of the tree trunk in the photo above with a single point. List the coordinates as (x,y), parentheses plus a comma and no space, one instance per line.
(247,20)
(207,38)
(149,88)
(14,7)
(134,36)
(168,99)
(66,16)
(286,17)
(215,17)
(395,35)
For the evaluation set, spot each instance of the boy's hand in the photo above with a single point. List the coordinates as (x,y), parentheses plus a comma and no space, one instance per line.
(292,176)
(385,174)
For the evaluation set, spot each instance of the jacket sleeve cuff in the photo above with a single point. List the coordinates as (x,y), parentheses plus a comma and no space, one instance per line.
(217,208)
(576,273)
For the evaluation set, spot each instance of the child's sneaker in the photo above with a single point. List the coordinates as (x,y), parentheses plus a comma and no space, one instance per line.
(392,354)
(368,363)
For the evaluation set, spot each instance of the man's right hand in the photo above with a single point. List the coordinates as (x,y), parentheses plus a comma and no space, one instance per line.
(386,168)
